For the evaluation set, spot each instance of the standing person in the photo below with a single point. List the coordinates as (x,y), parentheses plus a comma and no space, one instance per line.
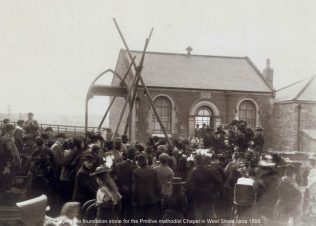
(9,157)
(31,126)
(85,187)
(202,186)
(175,204)
(197,131)
(268,179)
(165,174)
(18,135)
(290,198)
(146,191)
(5,122)
(66,182)
(108,196)
(57,148)
(42,168)
(109,134)
(259,139)
(124,173)
(50,133)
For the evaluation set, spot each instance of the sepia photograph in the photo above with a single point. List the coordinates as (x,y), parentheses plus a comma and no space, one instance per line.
(156,112)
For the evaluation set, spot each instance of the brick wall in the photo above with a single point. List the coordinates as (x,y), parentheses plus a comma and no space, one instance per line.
(284,127)
(184,100)
(285,124)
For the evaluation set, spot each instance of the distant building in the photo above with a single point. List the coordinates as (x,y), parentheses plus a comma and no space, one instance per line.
(294,121)
(195,89)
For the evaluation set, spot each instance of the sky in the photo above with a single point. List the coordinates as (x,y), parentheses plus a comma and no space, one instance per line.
(51,50)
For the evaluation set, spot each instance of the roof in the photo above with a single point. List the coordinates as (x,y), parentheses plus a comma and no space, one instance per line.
(303,90)
(311,133)
(200,72)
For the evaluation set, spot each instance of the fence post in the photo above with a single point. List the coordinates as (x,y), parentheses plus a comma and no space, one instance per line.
(57,128)
(75,130)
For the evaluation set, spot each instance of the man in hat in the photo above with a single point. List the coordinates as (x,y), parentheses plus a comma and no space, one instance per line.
(42,168)
(259,139)
(9,156)
(164,173)
(290,197)
(85,186)
(124,173)
(146,190)
(31,126)
(202,186)
(175,205)
(268,180)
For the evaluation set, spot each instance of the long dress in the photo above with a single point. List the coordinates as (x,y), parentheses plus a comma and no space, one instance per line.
(107,204)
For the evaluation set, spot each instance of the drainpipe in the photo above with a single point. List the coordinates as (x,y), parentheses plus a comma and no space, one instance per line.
(299,108)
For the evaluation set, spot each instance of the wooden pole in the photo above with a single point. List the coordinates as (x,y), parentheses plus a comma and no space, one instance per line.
(128,99)
(138,72)
(144,86)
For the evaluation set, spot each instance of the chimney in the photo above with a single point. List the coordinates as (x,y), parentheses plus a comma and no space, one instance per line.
(268,73)
(189,50)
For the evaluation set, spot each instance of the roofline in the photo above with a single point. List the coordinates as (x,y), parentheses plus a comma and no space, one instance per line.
(184,54)
(295,102)
(305,87)
(227,57)
(260,74)
(292,84)
(218,90)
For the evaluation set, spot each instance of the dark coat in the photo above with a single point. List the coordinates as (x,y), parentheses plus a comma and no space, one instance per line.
(259,142)
(124,174)
(85,186)
(12,154)
(202,184)
(146,187)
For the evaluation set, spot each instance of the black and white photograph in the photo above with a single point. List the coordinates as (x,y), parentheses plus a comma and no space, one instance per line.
(157,113)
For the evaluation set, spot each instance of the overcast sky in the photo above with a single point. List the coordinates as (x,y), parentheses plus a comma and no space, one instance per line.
(51,50)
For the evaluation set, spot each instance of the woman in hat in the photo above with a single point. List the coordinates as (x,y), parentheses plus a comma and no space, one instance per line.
(175,204)
(108,197)
(85,187)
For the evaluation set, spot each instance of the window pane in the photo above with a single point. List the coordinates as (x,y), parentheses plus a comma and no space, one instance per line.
(247,112)
(163,107)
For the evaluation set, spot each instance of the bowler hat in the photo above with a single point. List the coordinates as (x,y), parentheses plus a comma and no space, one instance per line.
(100,170)
(176,180)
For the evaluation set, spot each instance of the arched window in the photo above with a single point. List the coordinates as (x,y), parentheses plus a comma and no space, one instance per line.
(204,116)
(163,107)
(247,112)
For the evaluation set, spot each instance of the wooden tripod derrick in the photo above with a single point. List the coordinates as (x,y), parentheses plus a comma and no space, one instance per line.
(128,92)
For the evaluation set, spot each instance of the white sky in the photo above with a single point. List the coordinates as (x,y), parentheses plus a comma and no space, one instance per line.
(50,50)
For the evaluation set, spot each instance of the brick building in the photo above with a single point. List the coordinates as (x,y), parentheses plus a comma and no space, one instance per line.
(194,89)
(294,119)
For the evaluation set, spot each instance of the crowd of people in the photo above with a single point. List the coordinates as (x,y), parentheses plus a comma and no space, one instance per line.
(220,176)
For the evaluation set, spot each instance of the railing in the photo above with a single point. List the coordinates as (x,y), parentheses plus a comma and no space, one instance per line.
(67,129)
